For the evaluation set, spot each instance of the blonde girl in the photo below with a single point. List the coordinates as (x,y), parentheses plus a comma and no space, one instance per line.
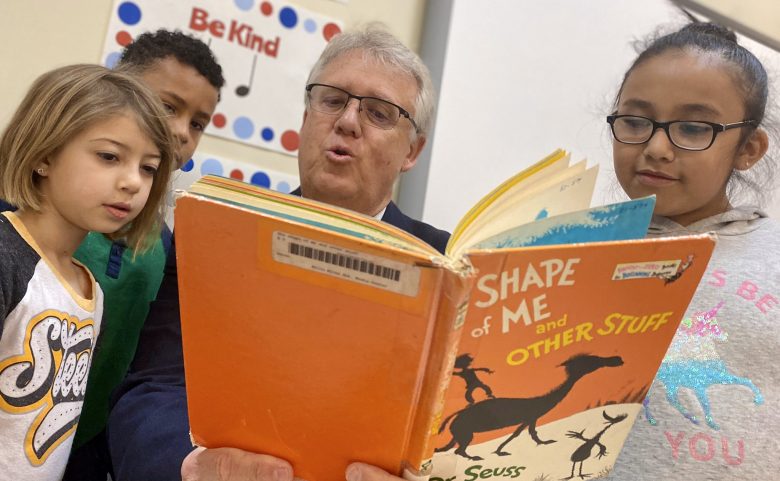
(87,150)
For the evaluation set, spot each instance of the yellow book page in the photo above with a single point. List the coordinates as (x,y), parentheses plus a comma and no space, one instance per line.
(310,212)
(554,162)
(569,191)
(508,211)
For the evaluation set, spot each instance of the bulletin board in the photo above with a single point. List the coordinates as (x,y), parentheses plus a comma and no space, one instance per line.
(204,163)
(266,50)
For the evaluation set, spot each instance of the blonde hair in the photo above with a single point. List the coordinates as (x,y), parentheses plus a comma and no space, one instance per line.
(62,103)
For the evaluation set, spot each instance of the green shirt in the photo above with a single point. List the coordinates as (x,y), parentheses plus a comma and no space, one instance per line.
(129,285)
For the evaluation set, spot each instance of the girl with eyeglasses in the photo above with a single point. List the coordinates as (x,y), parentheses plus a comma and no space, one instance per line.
(689,126)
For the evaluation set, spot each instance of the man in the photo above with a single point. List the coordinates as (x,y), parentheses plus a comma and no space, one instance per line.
(369,105)
(183,72)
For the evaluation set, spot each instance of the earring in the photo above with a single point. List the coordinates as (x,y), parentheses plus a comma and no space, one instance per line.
(41,171)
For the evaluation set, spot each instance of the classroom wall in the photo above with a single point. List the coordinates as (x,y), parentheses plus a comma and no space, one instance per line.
(516,78)
(520,79)
(758,19)
(38,35)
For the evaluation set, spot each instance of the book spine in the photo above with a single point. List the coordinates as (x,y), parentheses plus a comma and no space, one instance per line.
(449,318)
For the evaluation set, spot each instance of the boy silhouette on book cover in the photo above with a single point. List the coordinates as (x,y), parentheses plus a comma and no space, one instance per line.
(469,374)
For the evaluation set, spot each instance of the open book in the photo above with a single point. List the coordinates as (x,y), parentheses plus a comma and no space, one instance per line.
(323,336)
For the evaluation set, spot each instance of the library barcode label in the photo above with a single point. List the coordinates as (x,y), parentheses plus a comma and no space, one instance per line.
(347,264)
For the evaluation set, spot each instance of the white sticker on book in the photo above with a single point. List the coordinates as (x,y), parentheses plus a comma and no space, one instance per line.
(348,264)
(664,269)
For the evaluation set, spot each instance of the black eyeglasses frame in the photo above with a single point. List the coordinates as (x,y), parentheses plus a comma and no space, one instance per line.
(403,112)
(716,129)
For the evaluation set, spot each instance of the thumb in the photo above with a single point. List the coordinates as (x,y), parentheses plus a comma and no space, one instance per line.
(229,464)
(366,472)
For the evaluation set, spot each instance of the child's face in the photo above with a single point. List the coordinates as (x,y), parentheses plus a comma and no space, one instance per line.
(689,185)
(100,180)
(188,96)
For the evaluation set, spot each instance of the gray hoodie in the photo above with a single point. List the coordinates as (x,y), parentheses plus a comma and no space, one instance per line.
(712,413)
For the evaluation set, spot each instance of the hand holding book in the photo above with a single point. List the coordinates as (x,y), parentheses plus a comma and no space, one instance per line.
(230,464)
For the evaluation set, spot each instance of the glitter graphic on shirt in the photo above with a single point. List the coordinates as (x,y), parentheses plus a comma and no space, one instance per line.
(692,362)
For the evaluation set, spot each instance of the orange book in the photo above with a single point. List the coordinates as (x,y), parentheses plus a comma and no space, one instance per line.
(323,336)
(320,346)
(559,348)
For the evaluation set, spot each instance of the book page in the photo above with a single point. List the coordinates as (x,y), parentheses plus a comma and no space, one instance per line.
(568,191)
(555,162)
(621,221)
(503,213)
(308,212)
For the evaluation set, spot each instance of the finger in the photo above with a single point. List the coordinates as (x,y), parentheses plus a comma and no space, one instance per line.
(366,472)
(229,464)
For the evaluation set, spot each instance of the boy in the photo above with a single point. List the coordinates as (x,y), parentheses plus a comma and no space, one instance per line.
(183,72)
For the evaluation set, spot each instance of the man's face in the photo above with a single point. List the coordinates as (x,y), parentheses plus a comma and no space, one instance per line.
(346,162)
(188,97)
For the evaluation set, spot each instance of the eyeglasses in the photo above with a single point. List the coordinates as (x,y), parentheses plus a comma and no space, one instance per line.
(685,134)
(377,112)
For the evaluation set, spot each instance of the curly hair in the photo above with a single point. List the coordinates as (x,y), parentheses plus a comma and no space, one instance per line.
(151,47)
